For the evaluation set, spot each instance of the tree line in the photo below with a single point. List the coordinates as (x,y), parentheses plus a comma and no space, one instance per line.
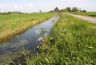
(8,13)
(68,9)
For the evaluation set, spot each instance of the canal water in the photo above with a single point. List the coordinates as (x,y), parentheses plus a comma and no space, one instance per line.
(28,40)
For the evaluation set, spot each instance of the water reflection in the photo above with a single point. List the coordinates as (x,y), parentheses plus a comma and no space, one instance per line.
(29,39)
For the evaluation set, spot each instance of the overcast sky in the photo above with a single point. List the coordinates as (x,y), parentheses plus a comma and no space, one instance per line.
(45,5)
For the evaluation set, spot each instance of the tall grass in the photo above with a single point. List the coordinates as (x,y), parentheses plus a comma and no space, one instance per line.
(11,25)
(71,42)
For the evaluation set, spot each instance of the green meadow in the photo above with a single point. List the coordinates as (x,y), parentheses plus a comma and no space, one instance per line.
(13,24)
(72,42)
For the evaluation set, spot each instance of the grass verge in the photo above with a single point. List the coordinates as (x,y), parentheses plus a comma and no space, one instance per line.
(71,42)
(14,24)
(91,14)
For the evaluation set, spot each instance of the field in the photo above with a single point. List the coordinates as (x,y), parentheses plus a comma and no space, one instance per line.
(72,42)
(13,24)
(92,14)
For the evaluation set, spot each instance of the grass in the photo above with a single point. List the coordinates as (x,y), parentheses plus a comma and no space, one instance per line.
(92,14)
(11,25)
(72,42)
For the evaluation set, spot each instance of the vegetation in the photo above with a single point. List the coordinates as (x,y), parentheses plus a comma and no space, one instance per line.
(92,14)
(68,9)
(11,25)
(56,9)
(71,42)
(7,13)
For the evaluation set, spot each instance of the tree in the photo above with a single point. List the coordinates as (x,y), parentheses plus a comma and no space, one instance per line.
(63,10)
(68,9)
(84,11)
(75,9)
(51,11)
(40,11)
(56,9)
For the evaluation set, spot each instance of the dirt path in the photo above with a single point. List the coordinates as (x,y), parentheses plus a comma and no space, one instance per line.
(87,18)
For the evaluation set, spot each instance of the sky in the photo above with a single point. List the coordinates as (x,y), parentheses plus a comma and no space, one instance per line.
(45,5)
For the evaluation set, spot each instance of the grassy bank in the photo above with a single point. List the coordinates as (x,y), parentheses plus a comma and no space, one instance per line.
(71,42)
(13,24)
(92,14)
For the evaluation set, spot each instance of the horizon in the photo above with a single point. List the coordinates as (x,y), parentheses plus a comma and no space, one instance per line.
(35,6)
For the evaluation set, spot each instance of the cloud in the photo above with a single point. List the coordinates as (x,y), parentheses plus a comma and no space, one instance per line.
(15,7)
(45,5)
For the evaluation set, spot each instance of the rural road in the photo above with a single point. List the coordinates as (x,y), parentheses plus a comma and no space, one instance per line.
(87,18)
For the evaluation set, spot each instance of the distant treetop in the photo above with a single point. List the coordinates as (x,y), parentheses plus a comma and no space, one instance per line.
(68,9)
(56,9)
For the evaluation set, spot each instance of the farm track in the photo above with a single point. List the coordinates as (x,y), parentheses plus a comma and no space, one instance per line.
(87,18)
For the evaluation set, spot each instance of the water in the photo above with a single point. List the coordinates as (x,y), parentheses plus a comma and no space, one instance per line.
(28,40)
